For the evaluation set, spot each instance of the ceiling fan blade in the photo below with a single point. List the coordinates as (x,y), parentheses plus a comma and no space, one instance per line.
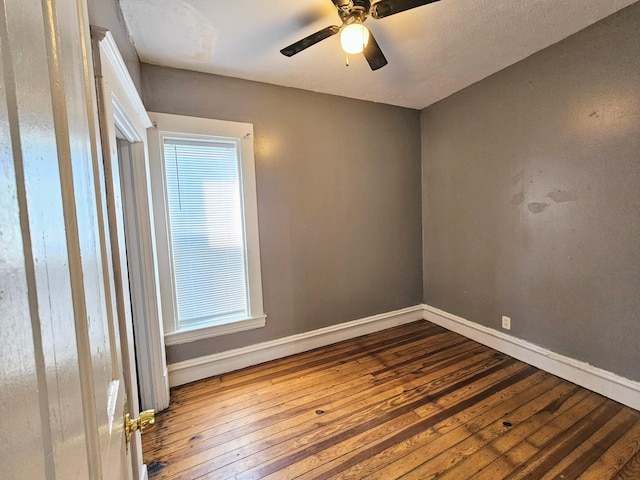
(373,54)
(309,41)
(384,8)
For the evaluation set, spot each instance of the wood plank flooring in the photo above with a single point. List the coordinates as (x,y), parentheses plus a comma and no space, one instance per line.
(412,402)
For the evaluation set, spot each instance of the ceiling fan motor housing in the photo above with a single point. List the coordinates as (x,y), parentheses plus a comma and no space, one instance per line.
(354,10)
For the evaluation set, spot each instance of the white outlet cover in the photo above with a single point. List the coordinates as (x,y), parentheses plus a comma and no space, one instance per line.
(506,323)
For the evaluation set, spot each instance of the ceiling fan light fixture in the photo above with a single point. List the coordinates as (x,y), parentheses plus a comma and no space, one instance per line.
(354,38)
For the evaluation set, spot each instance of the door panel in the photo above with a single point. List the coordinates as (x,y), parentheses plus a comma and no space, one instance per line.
(20,370)
(32,167)
(121,276)
(100,343)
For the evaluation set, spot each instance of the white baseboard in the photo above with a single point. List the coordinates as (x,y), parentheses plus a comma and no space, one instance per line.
(218,363)
(610,385)
(596,379)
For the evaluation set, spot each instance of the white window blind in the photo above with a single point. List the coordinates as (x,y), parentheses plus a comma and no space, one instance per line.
(204,192)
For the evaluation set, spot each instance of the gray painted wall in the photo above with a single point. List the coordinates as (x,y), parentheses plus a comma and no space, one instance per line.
(107,14)
(531,195)
(339,205)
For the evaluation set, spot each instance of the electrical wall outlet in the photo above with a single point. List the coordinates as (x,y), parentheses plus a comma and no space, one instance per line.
(506,323)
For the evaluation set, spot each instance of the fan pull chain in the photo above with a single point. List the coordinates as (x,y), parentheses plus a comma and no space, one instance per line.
(346,59)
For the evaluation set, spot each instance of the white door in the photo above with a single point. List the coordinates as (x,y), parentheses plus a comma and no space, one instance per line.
(63,382)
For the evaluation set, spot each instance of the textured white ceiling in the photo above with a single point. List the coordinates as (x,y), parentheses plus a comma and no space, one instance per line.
(433,51)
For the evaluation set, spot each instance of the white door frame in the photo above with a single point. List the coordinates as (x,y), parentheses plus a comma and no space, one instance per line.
(132,122)
(129,121)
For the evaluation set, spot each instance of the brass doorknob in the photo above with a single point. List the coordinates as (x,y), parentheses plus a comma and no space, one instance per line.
(144,422)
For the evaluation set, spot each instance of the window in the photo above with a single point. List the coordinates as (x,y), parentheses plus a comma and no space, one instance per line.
(203,182)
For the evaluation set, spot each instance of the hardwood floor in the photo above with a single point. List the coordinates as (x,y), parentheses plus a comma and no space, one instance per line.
(412,402)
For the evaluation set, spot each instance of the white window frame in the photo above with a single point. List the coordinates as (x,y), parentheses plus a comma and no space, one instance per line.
(178,126)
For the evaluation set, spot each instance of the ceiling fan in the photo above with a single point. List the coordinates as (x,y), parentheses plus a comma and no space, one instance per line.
(354,36)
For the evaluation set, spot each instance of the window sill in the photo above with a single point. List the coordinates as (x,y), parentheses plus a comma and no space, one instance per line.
(222,328)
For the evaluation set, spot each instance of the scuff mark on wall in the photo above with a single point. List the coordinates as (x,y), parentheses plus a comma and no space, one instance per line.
(561,196)
(537,207)
(517,199)
(517,178)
